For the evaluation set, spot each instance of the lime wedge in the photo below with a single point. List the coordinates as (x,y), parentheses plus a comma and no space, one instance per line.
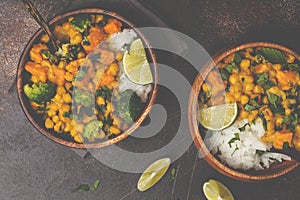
(136,66)
(153,174)
(218,117)
(214,190)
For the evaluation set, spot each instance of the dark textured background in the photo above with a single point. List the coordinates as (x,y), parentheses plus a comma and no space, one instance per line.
(33,167)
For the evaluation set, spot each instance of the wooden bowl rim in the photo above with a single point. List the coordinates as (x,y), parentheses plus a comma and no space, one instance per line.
(286,166)
(120,137)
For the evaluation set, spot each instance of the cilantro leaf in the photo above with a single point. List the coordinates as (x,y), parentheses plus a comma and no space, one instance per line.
(252,105)
(244,127)
(86,187)
(235,138)
(273,55)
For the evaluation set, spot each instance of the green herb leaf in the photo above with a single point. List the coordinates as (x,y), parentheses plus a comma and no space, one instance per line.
(252,105)
(83,187)
(244,127)
(86,187)
(263,80)
(237,58)
(285,145)
(260,152)
(261,115)
(95,186)
(273,55)
(285,119)
(235,138)
(274,99)
(224,74)
(85,41)
(236,148)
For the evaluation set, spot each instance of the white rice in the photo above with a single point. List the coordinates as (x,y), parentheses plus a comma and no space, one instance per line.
(118,42)
(243,151)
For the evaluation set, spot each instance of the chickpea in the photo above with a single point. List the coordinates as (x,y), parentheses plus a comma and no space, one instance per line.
(244,114)
(34,79)
(68,86)
(109,107)
(114,129)
(248,87)
(73,132)
(229,98)
(69,76)
(98,18)
(234,79)
(76,39)
(245,63)
(81,55)
(67,98)
(249,79)
(100,101)
(65,108)
(67,127)
(244,99)
(237,96)
(78,138)
(119,56)
(51,113)
(113,69)
(258,89)
(45,38)
(48,123)
(59,127)
(60,90)
(290,58)
(55,118)
(62,64)
(205,87)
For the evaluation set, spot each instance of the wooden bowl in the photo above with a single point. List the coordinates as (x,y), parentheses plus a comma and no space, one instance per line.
(275,170)
(36,120)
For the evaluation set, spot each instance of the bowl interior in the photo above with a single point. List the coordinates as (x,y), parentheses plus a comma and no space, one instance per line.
(37,120)
(276,169)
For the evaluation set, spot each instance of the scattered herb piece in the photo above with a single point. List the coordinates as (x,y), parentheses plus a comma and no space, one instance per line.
(273,159)
(244,127)
(224,74)
(252,105)
(285,145)
(85,41)
(86,187)
(261,115)
(260,152)
(173,174)
(235,138)
(273,55)
(237,58)
(274,99)
(236,148)
(263,80)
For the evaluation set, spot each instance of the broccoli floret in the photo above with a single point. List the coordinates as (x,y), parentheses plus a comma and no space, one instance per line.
(81,23)
(83,97)
(40,93)
(92,129)
(129,106)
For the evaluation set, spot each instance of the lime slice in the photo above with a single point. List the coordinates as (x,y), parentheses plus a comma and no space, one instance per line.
(153,174)
(136,66)
(214,190)
(218,117)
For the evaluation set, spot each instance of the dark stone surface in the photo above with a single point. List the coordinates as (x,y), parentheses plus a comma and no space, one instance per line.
(33,167)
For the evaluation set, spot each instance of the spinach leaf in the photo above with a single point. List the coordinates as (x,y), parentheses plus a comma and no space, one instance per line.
(273,55)
(274,99)
(224,74)
(252,105)
(237,58)
(263,80)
